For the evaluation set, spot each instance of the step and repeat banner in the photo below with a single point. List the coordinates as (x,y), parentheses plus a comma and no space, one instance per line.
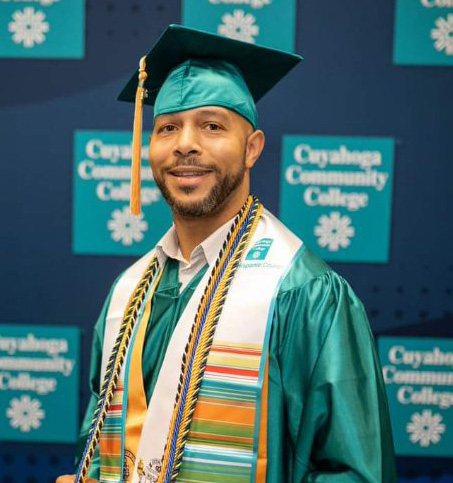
(335,193)
(39,383)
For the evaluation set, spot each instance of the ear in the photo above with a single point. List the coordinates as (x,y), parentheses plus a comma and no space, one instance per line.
(255,145)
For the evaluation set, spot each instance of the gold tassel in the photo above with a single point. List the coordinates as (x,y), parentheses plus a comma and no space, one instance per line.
(135,204)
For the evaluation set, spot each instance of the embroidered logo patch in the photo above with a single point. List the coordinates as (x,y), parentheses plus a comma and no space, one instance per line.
(260,249)
(150,472)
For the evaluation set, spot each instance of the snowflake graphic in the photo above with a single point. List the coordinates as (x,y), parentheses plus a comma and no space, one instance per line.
(126,227)
(239,26)
(443,34)
(28,27)
(25,413)
(334,231)
(425,428)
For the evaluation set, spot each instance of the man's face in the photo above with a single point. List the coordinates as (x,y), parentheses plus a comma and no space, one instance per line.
(198,158)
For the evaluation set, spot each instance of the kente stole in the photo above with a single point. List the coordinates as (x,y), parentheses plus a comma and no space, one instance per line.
(206,420)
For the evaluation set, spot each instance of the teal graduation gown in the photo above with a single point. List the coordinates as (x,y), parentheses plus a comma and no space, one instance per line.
(328,418)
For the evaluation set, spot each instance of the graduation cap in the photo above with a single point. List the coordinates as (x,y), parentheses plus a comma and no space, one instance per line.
(189,68)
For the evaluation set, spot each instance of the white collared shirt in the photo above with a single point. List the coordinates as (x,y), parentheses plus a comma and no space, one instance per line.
(206,252)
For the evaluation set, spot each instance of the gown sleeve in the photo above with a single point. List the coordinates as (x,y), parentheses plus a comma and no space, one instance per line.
(335,406)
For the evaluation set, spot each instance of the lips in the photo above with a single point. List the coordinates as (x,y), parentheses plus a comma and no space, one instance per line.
(189,171)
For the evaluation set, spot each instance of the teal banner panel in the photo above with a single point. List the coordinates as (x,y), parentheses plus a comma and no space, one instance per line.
(423,32)
(102,222)
(42,28)
(266,22)
(418,374)
(39,383)
(335,194)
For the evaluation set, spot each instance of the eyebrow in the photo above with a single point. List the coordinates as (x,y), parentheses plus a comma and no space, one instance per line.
(212,113)
(167,117)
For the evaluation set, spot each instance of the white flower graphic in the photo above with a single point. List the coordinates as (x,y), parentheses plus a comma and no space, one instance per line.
(28,27)
(425,428)
(126,227)
(239,26)
(443,34)
(25,413)
(334,231)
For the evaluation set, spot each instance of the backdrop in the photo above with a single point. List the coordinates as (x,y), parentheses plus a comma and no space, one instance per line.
(347,85)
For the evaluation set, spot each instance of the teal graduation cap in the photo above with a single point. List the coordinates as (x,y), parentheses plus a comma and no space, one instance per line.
(189,68)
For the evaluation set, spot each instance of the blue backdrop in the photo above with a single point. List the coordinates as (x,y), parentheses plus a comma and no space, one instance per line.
(347,85)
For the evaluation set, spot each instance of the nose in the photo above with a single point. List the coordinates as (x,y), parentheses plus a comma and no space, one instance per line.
(187,142)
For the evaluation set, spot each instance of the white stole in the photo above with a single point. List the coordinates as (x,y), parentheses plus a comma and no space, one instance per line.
(246,318)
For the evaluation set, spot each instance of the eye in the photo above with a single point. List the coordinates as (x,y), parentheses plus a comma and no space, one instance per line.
(167,128)
(212,126)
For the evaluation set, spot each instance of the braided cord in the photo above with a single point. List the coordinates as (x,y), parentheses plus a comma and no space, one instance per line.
(114,366)
(202,334)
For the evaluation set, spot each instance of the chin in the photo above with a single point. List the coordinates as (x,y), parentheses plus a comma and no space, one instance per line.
(193,202)
(196,207)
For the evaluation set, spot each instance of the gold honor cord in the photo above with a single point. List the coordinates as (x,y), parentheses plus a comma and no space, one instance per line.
(230,255)
(114,366)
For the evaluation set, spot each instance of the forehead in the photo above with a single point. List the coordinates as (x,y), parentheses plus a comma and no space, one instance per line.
(215,112)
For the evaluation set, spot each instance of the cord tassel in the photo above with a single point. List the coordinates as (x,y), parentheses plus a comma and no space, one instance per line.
(135,204)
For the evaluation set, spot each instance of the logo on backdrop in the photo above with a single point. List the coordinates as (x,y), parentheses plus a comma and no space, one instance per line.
(38,375)
(102,221)
(423,32)
(46,28)
(334,231)
(239,25)
(425,428)
(336,194)
(25,413)
(418,374)
(126,228)
(252,21)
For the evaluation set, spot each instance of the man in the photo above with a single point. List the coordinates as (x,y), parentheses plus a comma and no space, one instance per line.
(230,352)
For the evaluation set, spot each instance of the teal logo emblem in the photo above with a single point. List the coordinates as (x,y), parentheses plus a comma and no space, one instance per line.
(418,374)
(423,32)
(260,249)
(39,375)
(42,28)
(265,22)
(102,220)
(336,195)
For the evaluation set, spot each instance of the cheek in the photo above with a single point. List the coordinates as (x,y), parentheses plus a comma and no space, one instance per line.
(225,151)
(156,154)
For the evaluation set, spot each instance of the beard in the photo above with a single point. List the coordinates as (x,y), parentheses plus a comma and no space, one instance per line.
(224,186)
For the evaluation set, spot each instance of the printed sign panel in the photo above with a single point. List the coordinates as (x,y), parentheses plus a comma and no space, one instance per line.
(418,375)
(102,222)
(42,28)
(336,195)
(265,22)
(39,374)
(423,32)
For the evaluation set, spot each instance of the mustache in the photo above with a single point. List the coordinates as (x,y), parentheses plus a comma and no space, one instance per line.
(192,161)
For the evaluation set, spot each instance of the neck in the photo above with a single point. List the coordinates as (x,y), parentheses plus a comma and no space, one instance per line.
(193,231)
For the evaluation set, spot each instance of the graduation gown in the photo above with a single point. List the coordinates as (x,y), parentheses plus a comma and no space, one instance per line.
(328,417)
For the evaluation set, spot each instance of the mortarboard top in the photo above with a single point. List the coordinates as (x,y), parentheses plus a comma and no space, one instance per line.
(261,67)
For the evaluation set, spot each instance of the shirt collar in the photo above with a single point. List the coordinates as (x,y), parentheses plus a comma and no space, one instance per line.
(209,248)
